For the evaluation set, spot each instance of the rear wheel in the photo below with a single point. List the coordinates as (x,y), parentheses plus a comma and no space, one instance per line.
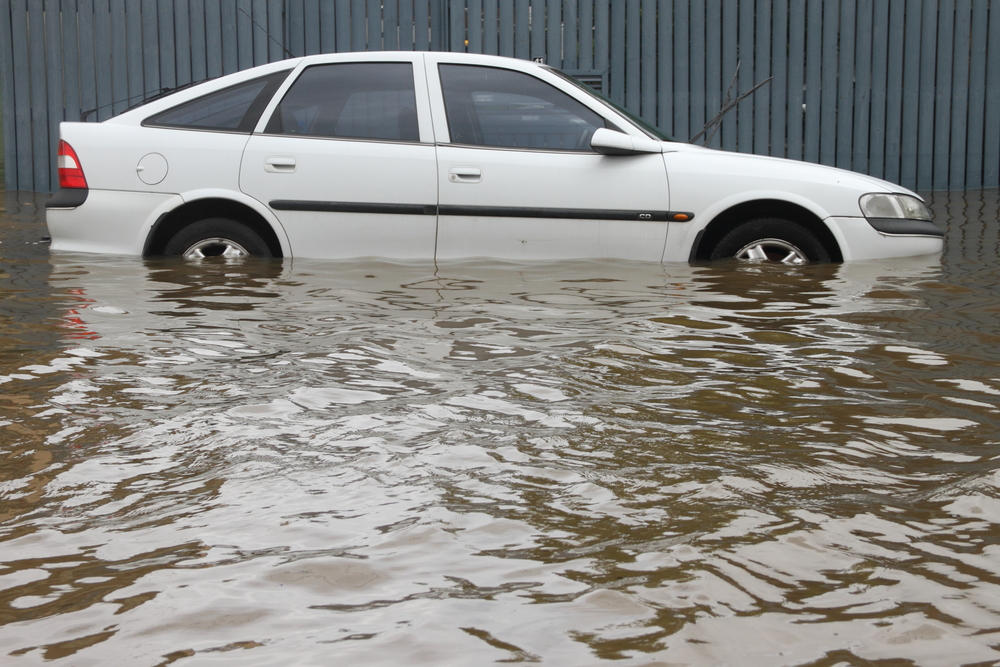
(773,240)
(217,237)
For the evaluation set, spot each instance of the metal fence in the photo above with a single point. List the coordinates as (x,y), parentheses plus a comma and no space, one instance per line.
(908,90)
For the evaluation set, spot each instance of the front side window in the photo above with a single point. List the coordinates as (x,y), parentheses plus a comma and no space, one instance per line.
(233,109)
(489,106)
(351,101)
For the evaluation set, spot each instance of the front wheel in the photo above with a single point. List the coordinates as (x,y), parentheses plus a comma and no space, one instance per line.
(217,237)
(772,240)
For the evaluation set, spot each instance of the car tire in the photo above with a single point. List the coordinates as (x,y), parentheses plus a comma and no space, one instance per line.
(772,240)
(217,237)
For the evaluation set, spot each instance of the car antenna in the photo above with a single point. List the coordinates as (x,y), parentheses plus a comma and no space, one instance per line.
(151,95)
(287,52)
(716,122)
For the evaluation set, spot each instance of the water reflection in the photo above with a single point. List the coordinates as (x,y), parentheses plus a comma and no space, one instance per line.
(467,463)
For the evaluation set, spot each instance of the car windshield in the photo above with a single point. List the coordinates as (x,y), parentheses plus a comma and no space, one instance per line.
(651,130)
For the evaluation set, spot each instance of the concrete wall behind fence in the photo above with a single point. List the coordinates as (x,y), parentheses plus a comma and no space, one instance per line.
(907,90)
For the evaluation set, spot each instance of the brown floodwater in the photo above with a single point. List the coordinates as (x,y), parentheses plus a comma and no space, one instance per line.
(366,462)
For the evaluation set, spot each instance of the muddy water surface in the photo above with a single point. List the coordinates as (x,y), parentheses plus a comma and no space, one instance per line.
(317,463)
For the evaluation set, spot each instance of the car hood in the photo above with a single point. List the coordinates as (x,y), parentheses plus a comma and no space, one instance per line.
(707,181)
(808,171)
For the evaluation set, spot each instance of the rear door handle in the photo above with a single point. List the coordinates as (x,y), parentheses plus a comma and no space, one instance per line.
(465,175)
(279,164)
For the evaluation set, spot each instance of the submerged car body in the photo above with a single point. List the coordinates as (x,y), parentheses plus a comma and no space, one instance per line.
(446,155)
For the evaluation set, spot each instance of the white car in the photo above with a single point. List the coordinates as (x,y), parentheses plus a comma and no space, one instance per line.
(447,155)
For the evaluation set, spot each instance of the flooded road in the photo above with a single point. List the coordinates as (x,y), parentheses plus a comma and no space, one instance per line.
(317,463)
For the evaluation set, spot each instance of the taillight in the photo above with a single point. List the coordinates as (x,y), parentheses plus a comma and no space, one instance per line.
(69,167)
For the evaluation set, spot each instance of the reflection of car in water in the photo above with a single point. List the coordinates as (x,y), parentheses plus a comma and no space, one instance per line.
(443,156)
(118,297)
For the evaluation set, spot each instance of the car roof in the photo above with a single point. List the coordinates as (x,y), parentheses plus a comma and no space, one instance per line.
(196,90)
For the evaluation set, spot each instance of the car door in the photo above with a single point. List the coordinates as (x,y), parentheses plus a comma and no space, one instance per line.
(518,178)
(346,160)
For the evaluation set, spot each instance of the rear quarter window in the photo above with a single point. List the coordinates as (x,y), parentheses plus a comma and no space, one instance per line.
(233,109)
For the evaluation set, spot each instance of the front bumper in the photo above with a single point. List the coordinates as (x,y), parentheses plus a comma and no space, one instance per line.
(859,238)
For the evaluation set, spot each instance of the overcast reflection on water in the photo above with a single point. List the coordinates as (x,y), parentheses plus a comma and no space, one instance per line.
(378,463)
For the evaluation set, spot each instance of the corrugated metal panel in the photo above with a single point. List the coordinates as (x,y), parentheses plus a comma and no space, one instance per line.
(908,90)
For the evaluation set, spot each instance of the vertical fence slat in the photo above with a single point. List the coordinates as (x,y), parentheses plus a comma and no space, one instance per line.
(846,82)
(616,53)
(730,60)
(553,33)
(633,37)
(474,26)
(390,25)
(39,117)
(585,30)
(54,86)
(682,87)
(506,28)
(713,62)
(182,50)
(925,97)
(296,39)
(828,74)
(991,142)
(261,48)
(230,52)
(814,56)
(343,14)
(894,89)
(199,60)
(133,44)
(168,64)
(150,47)
(602,39)
(102,38)
(779,84)
(977,93)
(407,24)
(880,55)
(359,27)
(310,12)
(570,34)
(71,62)
(456,27)
(374,33)
(522,34)
(88,74)
(22,93)
(762,70)
(942,97)
(243,22)
(863,84)
(960,94)
(696,65)
(747,76)
(665,76)
(213,37)
(909,143)
(10,124)
(796,77)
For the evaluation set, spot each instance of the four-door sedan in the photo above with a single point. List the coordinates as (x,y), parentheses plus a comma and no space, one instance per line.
(446,155)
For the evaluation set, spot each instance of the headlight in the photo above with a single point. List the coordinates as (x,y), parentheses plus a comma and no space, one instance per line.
(894,206)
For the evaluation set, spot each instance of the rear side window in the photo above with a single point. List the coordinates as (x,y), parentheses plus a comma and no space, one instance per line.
(233,109)
(351,101)
(489,106)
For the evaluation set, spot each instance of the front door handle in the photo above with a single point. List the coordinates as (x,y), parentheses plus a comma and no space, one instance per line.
(465,175)
(279,164)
